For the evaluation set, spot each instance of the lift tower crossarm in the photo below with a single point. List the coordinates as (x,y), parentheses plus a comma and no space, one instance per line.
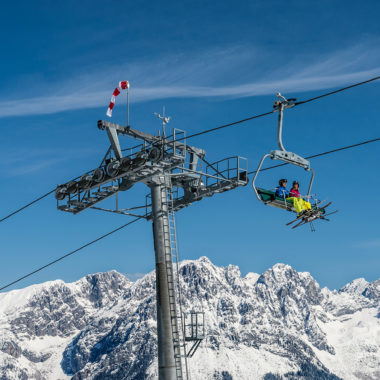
(104,124)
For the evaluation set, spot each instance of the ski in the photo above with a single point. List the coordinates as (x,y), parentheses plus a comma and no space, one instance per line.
(302,222)
(311,215)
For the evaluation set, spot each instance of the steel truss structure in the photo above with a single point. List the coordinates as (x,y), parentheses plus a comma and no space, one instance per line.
(177,175)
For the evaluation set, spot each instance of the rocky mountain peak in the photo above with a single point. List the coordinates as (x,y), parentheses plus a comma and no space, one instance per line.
(251,278)
(287,282)
(373,291)
(277,325)
(355,287)
(103,288)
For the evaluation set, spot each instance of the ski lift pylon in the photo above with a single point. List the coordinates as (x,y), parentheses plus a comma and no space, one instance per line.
(266,196)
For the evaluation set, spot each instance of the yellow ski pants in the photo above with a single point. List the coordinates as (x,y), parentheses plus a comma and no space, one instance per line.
(300,204)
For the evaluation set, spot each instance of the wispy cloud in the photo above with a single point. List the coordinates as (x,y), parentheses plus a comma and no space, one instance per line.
(374,243)
(228,73)
(25,162)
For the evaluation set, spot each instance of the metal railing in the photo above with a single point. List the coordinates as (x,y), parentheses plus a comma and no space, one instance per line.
(233,168)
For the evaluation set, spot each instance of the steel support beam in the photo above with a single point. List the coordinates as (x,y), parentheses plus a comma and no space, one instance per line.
(166,360)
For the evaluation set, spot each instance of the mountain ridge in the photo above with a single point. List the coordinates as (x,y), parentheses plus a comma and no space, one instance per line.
(275,325)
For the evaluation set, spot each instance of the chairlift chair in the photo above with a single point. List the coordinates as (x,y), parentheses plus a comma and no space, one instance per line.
(269,197)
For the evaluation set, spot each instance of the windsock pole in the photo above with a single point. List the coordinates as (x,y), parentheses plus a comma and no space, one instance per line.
(128,107)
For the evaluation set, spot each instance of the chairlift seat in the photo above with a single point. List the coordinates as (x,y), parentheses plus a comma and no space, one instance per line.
(270,198)
(269,195)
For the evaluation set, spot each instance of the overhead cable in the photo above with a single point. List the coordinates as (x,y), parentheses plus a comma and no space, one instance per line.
(270,112)
(322,154)
(336,91)
(27,205)
(69,254)
(138,218)
(226,126)
(42,196)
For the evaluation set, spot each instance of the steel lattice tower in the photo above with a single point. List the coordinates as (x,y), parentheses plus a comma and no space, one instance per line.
(177,175)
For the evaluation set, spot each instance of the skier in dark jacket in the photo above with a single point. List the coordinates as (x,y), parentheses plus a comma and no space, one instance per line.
(281,190)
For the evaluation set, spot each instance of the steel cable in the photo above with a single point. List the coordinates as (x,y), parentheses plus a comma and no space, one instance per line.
(69,254)
(190,136)
(270,112)
(138,218)
(27,205)
(226,126)
(322,154)
(336,91)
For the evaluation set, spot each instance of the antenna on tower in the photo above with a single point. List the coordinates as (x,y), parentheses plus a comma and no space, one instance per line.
(165,120)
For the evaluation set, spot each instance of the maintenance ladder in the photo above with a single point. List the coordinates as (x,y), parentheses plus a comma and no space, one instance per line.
(171,254)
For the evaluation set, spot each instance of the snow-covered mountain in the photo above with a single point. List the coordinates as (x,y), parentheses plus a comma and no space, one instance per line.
(277,325)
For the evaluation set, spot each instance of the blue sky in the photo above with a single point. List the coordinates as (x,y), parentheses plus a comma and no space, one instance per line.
(208,63)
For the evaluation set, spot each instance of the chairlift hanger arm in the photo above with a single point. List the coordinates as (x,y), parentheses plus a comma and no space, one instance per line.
(279,105)
(279,131)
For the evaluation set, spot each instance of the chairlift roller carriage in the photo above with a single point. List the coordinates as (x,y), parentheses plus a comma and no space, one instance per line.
(269,197)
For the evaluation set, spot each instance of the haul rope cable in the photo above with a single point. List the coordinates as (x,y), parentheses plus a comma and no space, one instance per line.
(322,154)
(27,205)
(268,168)
(138,218)
(226,126)
(70,253)
(196,134)
(45,195)
(270,112)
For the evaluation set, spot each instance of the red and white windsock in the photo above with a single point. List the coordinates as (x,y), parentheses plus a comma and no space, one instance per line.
(122,86)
